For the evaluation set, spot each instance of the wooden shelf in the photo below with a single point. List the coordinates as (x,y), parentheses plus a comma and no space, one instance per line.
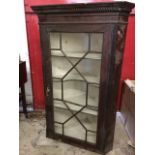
(59,73)
(76,96)
(91,55)
(87,110)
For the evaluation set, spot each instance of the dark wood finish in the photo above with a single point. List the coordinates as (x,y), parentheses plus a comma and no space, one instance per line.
(128,111)
(110,19)
(22,73)
(22,81)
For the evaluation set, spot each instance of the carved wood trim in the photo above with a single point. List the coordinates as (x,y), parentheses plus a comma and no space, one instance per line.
(85,8)
(120,40)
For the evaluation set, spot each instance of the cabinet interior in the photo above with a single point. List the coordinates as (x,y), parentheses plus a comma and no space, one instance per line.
(76,61)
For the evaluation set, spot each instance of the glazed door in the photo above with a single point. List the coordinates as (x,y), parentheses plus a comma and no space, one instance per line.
(76,62)
(73,82)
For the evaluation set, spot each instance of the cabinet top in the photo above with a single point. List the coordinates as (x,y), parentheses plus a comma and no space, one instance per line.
(85,8)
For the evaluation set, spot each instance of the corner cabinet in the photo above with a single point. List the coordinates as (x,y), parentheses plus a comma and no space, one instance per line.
(82,50)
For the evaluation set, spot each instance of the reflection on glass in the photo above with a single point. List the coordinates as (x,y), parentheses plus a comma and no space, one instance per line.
(76,60)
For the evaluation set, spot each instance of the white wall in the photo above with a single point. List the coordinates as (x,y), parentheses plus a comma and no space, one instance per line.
(24,55)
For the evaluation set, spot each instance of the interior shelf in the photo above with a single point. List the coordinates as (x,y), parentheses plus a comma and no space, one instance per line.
(59,73)
(75,108)
(77,93)
(75,96)
(86,69)
(90,55)
(75,79)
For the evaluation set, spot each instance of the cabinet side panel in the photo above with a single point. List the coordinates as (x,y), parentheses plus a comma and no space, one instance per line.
(47,73)
(118,38)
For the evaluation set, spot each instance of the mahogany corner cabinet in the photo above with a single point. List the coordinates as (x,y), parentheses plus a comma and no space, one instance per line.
(82,49)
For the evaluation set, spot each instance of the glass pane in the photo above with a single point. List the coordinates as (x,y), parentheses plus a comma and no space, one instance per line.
(89,121)
(56,53)
(91,137)
(93,95)
(96,42)
(61,115)
(74,129)
(74,42)
(60,66)
(76,61)
(55,40)
(58,128)
(92,55)
(73,75)
(57,88)
(90,69)
(75,92)
(59,104)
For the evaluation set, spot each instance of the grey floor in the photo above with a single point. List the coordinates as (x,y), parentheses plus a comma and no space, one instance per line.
(34,142)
